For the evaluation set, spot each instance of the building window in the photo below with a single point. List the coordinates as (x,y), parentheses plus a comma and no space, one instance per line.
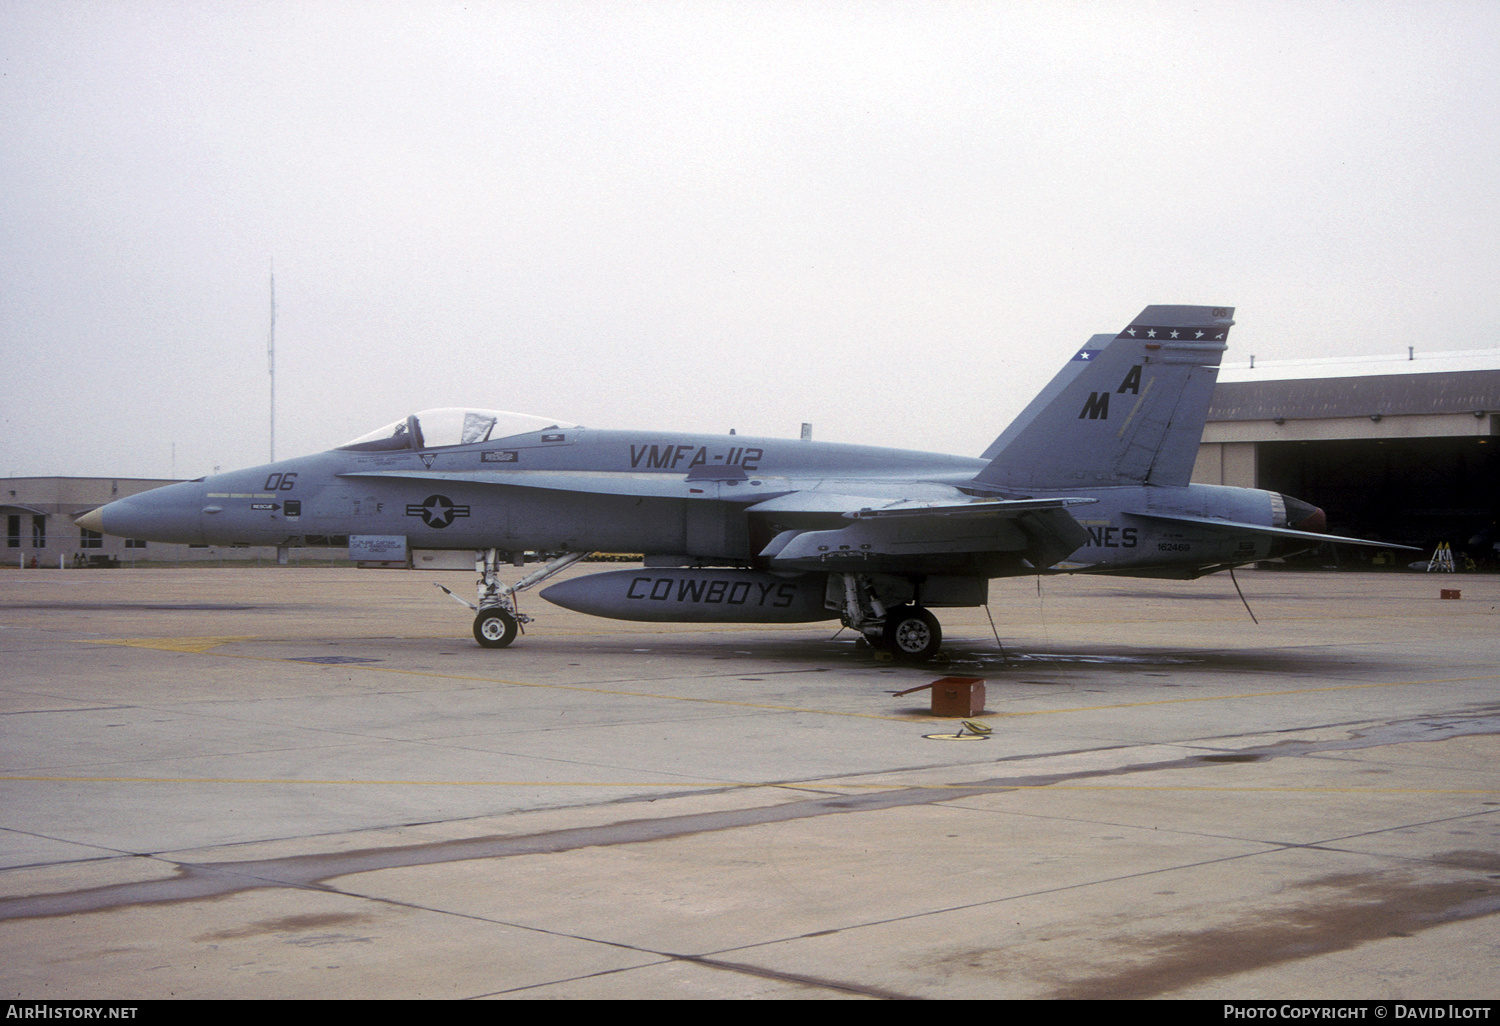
(39,532)
(135,543)
(13,531)
(90,539)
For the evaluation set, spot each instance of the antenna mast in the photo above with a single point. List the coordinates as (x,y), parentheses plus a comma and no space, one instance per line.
(271,360)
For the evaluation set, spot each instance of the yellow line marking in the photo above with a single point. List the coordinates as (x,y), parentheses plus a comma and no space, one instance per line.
(196,645)
(783,785)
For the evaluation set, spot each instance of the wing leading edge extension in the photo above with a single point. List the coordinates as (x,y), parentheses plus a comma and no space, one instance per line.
(665,486)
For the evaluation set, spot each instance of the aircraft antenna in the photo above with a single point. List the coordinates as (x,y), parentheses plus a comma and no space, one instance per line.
(1242,596)
(1003,657)
(271,359)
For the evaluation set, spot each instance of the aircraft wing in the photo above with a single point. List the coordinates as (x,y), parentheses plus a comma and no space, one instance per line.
(1235,527)
(976,508)
(915,534)
(885,532)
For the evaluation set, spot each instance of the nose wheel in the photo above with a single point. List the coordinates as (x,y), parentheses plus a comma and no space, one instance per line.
(498,620)
(494,628)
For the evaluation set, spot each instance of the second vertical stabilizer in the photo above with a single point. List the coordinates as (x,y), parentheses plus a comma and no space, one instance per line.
(1126,410)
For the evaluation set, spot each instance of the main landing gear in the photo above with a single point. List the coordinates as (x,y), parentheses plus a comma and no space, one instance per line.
(912,633)
(497,620)
(909,632)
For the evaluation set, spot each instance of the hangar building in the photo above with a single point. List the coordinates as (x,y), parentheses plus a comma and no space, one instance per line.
(1398,448)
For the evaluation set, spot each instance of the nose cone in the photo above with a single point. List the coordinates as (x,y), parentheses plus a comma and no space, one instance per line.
(170,514)
(1304,516)
(93,520)
(1316,521)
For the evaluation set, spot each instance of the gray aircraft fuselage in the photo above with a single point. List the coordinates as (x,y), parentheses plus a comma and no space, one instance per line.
(1092,477)
(703,517)
(324,496)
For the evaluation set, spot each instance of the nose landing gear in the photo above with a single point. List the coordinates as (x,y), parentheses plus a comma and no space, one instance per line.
(497,620)
(495,628)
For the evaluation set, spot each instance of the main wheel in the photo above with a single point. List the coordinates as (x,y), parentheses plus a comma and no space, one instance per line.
(494,628)
(912,633)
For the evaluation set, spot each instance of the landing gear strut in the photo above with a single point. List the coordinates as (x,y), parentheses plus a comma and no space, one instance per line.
(908,632)
(497,619)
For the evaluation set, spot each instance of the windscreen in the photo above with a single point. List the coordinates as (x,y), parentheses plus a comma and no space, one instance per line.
(453,425)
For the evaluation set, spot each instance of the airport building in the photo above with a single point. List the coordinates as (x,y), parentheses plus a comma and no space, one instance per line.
(40,532)
(1402,448)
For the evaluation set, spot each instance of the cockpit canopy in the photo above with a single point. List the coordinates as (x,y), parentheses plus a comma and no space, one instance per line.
(452,425)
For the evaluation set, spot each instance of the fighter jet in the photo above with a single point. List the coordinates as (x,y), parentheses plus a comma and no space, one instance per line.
(1092,477)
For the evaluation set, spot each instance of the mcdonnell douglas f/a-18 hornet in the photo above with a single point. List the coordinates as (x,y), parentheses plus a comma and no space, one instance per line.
(1092,477)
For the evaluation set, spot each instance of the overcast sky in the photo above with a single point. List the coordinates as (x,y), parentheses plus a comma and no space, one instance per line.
(894,220)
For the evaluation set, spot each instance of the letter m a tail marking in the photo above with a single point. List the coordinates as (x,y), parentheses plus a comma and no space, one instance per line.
(1095,407)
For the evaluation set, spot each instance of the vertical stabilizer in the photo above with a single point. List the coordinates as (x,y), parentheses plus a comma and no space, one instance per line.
(1126,410)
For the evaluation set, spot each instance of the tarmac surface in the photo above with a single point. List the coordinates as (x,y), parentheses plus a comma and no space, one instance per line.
(312,783)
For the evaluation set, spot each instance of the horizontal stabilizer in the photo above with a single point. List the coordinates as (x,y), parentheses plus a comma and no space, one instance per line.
(1236,527)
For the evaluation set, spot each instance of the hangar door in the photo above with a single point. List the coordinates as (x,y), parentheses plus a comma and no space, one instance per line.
(1414,490)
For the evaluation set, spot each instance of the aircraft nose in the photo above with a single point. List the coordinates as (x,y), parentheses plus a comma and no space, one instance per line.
(93,520)
(170,514)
